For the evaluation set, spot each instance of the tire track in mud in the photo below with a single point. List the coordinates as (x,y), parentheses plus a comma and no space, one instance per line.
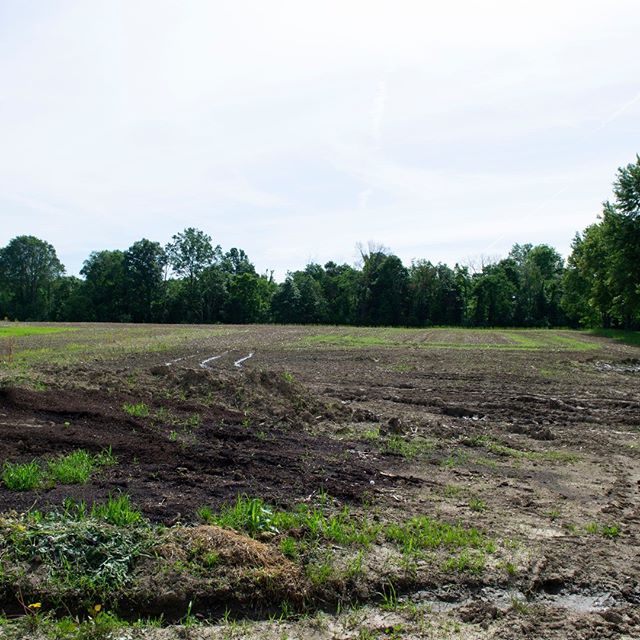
(172,362)
(204,363)
(622,495)
(238,363)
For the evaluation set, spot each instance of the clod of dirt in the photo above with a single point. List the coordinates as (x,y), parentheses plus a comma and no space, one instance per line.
(364,415)
(459,412)
(394,426)
(479,612)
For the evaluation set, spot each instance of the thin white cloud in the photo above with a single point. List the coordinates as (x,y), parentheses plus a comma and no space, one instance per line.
(618,112)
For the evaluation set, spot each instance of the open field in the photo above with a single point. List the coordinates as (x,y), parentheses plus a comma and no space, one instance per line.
(318,482)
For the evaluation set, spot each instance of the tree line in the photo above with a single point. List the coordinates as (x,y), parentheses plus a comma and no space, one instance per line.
(192,281)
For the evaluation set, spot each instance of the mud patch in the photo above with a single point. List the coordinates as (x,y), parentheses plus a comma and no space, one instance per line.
(169,480)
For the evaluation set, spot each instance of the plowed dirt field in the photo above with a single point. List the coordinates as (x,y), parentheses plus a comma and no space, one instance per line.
(530,438)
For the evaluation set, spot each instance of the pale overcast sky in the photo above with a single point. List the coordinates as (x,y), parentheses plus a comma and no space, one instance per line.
(442,130)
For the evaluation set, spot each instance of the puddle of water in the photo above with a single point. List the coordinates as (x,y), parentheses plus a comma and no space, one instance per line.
(238,363)
(578,602)
(204,363)
(504,598)
(629,367)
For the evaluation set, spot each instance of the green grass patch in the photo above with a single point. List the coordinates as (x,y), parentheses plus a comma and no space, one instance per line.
(456,338)
(117,510)
(428,533)
(619,335)
(78,466)
(476,504)
(471,562)
(306,523)
(22,477)
(453,490)
(505,451)
(399,445)
(102,343)
(73,468)
(611,531)
(457,458)
(20,330)
(406,447)
(136,410)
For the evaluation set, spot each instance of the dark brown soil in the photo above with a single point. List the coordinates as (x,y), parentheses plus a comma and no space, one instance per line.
(169,480)
(539,449)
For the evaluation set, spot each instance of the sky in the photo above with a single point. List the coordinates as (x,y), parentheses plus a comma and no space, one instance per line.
(295,130)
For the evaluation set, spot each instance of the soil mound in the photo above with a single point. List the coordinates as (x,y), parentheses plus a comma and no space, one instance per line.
(210,569)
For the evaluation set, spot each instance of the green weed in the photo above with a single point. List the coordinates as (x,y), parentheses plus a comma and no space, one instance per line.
(405,447)
(509,567)
(74,468)
(455,459)
(371,434)
(253,516)
(247,514)
(117,511)
(22,477)
(475,504)
(355,566)
(427,533)
(519,606)
(137,410)
(611,531)
(389,597)
(206,514)
(464,562)
(319,573)
(289,547)
(210,559)
(453,490)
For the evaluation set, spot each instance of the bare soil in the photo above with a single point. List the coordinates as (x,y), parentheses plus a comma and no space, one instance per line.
(537,447)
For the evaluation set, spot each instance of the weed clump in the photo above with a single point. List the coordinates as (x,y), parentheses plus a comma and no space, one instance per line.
(136,410)
(81,556)
(21,477)
(73,468)
(254,517)
(428,533)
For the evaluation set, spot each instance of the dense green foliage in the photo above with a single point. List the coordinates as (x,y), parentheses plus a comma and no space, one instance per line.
(191,280)
(602,279)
